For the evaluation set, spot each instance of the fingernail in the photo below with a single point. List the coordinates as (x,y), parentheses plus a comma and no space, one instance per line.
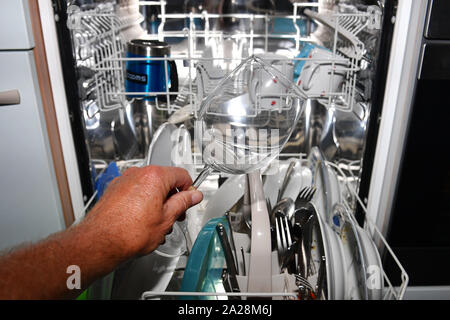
(197,196)
(191,188)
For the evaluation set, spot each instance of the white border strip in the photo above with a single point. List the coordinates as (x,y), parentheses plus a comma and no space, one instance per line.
(61,108)
(400,85)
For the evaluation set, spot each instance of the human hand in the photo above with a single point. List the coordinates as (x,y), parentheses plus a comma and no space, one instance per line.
(139,208)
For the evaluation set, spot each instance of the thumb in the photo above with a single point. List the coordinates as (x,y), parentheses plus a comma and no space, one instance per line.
(180,202)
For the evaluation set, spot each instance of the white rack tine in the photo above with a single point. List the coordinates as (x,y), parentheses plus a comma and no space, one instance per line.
(149,294)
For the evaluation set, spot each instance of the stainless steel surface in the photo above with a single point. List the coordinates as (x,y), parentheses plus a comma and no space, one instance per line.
(146,122)
(308,222)
(305,196)
(287,177)
(111,135)
(284,240)
(340,135)
(288,262)
(148,48)
(285,207)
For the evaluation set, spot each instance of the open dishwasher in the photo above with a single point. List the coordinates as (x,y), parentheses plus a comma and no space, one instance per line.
(295,229)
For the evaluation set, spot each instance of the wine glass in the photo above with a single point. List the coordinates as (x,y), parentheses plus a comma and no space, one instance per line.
(246,120)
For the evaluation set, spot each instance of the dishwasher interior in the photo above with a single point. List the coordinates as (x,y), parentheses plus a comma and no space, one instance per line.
(329,50)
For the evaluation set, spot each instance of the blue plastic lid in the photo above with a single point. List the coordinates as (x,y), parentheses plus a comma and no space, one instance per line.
(206,262)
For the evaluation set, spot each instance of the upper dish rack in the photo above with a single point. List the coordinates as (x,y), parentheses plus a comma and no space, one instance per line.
(98,40)
(100,44)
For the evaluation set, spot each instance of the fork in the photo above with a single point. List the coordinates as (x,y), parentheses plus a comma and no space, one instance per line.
(301,203)
(285,246)
(305,289)
(301,281)
(305,196)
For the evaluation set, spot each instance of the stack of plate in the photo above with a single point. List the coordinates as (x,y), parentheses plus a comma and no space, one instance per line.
(353,264)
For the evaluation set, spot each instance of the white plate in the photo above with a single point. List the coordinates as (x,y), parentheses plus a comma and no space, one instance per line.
(334,261)
(375,280)
(344,226)
(356,265)
(160,150)
(336,271)
(335,190)
(225,197)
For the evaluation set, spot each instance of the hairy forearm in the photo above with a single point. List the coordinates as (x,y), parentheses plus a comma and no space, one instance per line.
(39,271)
(131,219)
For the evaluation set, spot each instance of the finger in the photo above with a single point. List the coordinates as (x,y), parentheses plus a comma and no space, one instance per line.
(182,217)
(178,178)
(177,204)
(171,193)
(171,178)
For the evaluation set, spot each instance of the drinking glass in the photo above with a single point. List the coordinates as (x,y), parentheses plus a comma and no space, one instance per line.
(246,120)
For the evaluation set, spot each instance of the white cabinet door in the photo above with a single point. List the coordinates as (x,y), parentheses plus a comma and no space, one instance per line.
(15,25)
(30,207)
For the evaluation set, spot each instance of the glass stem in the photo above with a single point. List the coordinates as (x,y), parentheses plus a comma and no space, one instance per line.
(202,176)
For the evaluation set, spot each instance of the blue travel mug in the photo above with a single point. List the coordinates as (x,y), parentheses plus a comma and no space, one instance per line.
(150,75)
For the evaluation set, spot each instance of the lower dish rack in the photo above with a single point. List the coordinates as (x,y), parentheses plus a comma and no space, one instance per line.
(347,254)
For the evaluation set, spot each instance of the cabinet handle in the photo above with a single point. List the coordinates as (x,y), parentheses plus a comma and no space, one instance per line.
(9,97)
